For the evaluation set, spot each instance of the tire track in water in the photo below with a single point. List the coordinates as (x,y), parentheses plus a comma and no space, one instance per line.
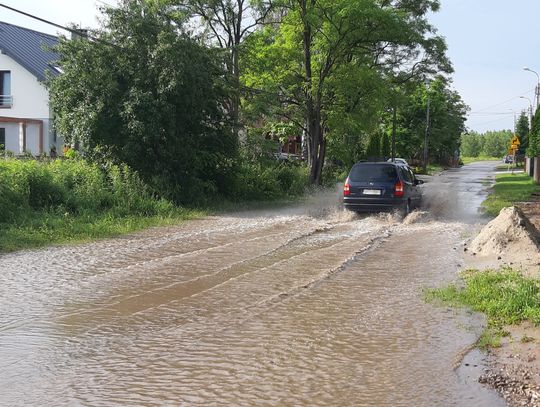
(176,292)
(272,266)
(271,302)
(383,233)
(45,279)
(188,288)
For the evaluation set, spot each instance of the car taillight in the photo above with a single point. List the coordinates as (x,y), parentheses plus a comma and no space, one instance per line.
(398,191)
(346,188)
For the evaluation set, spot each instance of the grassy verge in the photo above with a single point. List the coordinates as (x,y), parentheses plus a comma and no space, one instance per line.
(41,229)
(71,201)
(509,189)
(468,160)
(504,296)
(514,167)
(67,201)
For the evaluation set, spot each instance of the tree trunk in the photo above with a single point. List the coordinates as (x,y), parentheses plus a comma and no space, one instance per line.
(318,149)
(235,108)
(316,143)
(237,40)
(394,124)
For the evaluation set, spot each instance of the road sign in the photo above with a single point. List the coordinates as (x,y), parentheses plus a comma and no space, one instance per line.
(515,141)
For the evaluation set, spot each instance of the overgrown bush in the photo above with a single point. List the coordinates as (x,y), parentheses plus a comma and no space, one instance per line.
(257,181)
(333,173)
(74,187)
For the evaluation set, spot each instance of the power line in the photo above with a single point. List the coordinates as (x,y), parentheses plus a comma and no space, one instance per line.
(491,114)
(502,103)
(72,30)
(491,121)
(104,3)
(81,33)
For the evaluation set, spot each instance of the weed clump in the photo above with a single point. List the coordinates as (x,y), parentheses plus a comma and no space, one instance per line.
(504,296)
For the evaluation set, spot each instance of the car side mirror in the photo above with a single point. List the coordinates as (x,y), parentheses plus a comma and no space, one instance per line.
(418,182)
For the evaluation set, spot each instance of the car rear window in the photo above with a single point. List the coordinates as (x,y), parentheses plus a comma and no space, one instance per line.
(373,173)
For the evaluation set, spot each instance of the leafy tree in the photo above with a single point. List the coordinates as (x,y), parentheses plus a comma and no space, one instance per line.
(447,125)
(522,131)
(496,143)
(226,24)
(533,149)
(317,60)
(447,122)
(150,96)
(471,144)
(373,150)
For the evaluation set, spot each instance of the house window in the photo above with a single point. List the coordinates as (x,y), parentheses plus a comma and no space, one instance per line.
(2,139)
(6,100)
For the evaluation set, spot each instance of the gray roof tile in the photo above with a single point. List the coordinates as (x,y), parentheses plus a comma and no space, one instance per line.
(29,48)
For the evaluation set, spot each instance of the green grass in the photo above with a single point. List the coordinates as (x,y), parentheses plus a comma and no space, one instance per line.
(74,200)
(504,167)
(468,160)
(508,190)
(69,201)
(41,229)
(490,338)
(504,296)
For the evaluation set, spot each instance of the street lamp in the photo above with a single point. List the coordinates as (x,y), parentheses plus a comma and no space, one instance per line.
(537,89)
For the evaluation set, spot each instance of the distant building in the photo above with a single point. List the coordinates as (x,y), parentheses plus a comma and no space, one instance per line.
(25,116)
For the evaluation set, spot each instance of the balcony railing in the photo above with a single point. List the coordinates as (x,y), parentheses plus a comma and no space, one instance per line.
(6,101)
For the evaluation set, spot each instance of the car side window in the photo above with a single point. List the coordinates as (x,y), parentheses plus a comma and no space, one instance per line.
(407,176)
(413,178)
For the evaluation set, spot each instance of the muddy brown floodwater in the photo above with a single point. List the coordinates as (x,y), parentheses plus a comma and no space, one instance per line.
(299,306)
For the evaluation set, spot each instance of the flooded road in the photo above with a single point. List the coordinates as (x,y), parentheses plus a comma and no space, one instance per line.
(299,306)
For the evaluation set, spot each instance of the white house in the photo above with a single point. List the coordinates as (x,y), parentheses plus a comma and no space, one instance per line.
(25,117)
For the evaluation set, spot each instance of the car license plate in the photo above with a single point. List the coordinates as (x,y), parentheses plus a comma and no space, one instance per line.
(372,191)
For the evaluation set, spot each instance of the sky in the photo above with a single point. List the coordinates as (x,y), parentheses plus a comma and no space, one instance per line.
(489,43)
(63,12)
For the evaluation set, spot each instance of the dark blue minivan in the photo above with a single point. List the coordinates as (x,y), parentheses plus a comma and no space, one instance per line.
(381,186)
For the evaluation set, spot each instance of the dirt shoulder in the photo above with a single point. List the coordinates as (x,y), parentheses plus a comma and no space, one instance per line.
(512,239)
(532,211)
(514,367)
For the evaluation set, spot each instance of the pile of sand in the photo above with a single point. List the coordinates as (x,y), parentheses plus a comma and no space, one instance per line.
(511,238)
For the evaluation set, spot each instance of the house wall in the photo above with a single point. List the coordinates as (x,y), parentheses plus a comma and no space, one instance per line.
(30,101)
(12,136)
(32,138)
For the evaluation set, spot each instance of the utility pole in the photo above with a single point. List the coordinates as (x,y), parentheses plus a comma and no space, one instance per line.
(427,129)
(394,123)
